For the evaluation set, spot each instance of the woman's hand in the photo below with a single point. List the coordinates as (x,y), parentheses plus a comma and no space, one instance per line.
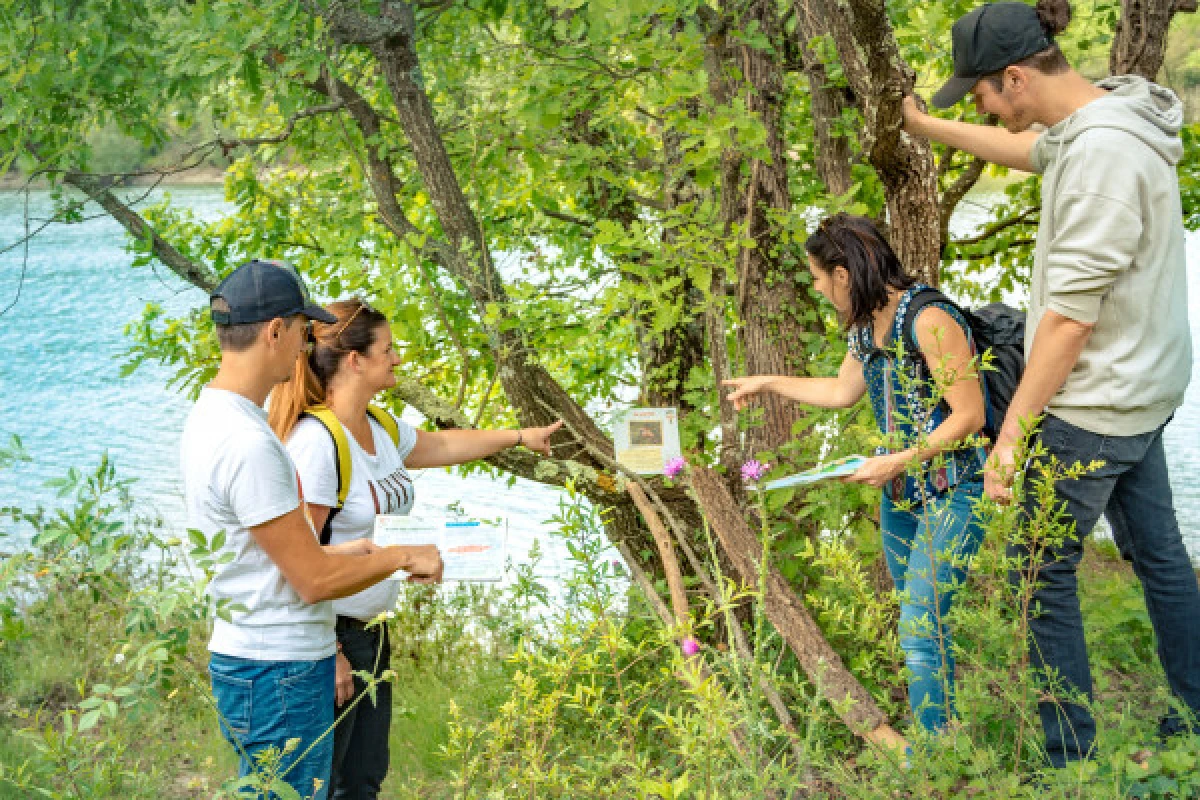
(880,470)
(344,681)
(538,439)
(746,388)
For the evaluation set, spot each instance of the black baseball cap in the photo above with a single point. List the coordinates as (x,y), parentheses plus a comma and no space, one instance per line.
(261,290)
(987,40)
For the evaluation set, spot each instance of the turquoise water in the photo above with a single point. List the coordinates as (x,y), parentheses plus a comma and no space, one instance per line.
(60,384)
(61,348)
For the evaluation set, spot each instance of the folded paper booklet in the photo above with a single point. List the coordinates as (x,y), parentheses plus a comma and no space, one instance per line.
(472,550)
(834,469)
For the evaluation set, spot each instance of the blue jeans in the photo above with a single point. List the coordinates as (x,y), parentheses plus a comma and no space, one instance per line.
(928,550)
(1131,489)
(265,703)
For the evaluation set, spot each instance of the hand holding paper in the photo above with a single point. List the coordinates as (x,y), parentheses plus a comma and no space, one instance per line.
(469,550)
(840,468)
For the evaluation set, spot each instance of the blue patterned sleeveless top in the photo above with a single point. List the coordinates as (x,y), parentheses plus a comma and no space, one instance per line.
(902,406)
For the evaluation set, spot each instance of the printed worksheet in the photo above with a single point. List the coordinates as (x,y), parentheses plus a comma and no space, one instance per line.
(472,550)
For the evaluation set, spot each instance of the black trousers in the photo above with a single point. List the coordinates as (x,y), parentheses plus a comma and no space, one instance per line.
(360,740)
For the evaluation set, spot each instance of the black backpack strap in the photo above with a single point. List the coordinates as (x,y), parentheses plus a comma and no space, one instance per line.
(327,531)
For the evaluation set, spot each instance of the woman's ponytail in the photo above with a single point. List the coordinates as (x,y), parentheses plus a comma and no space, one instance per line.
(355,331)
(289,400)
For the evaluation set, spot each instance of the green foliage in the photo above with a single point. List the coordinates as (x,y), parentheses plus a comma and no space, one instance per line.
(102,635)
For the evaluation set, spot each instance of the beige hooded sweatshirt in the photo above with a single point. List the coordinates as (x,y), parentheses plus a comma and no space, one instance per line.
(1110,252)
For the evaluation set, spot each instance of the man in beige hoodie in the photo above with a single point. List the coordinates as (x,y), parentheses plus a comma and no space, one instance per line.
(1108,346)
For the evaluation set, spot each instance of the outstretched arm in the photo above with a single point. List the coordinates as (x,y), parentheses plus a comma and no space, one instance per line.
(841,392)
(985,141)
(452,447)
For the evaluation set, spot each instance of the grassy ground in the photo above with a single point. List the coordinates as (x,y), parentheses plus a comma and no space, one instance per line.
(170,747)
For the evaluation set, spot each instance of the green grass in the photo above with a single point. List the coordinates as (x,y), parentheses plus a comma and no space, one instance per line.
(168,746)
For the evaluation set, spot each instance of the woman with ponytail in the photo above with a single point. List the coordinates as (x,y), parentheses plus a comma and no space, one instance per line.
(1107,343)
(349,362)
(928,519)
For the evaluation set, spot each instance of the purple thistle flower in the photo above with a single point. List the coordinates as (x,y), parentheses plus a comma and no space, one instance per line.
(753,470)
(674,467)
(690,647)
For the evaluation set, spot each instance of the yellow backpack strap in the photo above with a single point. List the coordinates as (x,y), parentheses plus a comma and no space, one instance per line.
(341,447)
(387,421)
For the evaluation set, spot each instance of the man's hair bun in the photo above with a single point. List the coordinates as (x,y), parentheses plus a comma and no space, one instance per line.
(1055,16)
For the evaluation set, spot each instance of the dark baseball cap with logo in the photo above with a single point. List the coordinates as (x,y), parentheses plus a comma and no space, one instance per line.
(258,291)
(987,40)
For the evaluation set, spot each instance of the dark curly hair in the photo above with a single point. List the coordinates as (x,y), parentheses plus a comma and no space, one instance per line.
(856,244)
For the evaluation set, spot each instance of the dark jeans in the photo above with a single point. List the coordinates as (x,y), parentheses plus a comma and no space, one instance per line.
(1132,490)
(360,741)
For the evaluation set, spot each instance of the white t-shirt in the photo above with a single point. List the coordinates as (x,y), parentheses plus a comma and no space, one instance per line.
(379,484)
(237,475)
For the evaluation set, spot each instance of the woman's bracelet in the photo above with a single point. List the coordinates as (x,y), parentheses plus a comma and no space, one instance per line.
(520,438)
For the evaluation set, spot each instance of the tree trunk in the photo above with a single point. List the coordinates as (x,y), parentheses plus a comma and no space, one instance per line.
(880,78)
(826,102)
(1140,40)
(537,397)
(769,298)
(788,615)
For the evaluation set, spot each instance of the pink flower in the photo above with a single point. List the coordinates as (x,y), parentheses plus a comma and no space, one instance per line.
(674,467)
(690,647)
(754,470)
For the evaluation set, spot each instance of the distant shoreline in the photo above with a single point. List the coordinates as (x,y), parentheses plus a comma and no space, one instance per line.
(199,176)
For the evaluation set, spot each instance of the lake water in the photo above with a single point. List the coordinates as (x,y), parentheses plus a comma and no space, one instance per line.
(61,389)
(60,386)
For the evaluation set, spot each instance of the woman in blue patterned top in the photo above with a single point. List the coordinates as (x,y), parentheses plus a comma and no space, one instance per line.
(930,479)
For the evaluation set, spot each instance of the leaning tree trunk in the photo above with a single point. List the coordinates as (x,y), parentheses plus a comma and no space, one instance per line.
(1140,40)
(537,397)
(790,618)
(880,78)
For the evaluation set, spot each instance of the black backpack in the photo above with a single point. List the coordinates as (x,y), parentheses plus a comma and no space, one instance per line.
(996,327)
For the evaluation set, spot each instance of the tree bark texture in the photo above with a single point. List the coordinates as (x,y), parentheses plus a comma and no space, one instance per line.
(827,102)
(769,298)
(1140,41)
(880,78)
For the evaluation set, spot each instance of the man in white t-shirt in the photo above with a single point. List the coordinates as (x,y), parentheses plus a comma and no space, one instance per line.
(273,641)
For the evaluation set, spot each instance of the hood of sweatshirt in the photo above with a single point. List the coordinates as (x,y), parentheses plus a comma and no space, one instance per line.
(1135,105)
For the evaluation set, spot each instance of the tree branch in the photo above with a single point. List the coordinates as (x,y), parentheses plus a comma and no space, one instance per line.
(953,194)
(788,614)
(1026,217)
(228,145)
(98,190)
(587,224)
